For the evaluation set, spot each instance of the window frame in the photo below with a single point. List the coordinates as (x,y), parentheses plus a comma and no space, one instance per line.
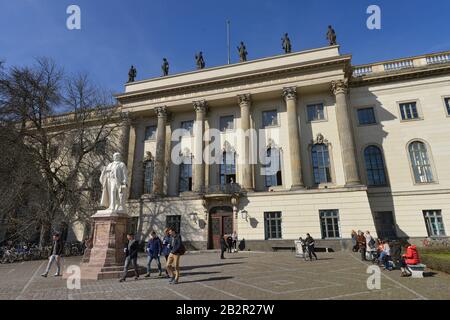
(177,223)
(225,174)
(227,129)
(380,148)
(189,177)
(375,117)
(428,226)
(268,223)
(277,117)
(326,224)
(326,145)
(418,109)
(145,189)
(430,160)
(191,131)
(446,101)
(153,138)
(324,110)
(279,171)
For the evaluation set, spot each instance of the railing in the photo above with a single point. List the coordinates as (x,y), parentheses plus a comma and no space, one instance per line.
(401,64)
(360,71)
(398,65)
(229,188)
(440,58)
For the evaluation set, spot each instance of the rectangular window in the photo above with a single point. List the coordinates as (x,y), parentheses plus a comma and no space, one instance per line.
(226,123)
(228,168)
(185,182)
(174,222)
(434,223)
(100,147)
(447,105)
(366,116)
(188,126)
(329,223)
(409,111)
(150,133)
(316,112)
(148,177)
(270,118)
(272,225)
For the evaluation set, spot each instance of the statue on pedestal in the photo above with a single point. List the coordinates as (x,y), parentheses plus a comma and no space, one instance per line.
(242,52)
(200,61)
(286,44)
(114,180)
(132,74)
(331,36)
(165,67)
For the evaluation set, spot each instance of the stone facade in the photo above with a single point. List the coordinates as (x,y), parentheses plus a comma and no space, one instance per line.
(286,88)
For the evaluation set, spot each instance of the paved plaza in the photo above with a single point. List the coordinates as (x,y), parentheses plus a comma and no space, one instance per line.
(242,276)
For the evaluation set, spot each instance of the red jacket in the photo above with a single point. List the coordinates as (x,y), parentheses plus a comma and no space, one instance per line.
(411,256)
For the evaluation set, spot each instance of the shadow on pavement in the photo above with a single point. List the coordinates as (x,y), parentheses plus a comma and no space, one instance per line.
(208,279)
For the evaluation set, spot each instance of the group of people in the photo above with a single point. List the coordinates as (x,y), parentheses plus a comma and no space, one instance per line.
(171,247)
(380,251)
(228,242)
(308,246)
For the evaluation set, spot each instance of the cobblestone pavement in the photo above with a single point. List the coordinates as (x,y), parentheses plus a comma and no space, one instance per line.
(243,275)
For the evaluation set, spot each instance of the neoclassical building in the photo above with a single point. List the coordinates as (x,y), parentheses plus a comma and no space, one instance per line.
(359,147)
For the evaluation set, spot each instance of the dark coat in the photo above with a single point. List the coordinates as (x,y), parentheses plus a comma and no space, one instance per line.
(58,247)
(176,244)
(223,244)
(132,252)
(166,245)
(154,247)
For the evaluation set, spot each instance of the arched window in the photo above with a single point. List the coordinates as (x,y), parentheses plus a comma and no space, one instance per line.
(272,170)
(148,176)
(228,168)
(373,157)
(321,163)
(420,162)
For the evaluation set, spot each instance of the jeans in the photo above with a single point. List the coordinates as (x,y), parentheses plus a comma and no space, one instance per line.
(149,262)
(311,252)
(129,261)
(174,260)
(54,258)
(363,253)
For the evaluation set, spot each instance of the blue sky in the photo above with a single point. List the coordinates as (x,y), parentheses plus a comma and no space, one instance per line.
(117,33)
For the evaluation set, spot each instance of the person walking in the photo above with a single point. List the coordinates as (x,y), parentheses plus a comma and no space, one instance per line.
(153,253)
(361,240)
(173,262)
(229,242)
(235,238)
(310,243)
(55,256)
(354,236)
(131,255)
(165,250)
(223,246)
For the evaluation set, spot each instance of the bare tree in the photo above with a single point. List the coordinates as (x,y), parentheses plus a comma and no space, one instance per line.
(67,125)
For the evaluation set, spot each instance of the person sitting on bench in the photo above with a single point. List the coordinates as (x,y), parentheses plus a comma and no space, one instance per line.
(411,257)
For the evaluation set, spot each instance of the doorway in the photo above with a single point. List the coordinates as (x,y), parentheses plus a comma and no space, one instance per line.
(220,223)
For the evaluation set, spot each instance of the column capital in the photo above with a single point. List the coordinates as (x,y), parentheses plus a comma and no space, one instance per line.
(161,111)
(290,93)
(244,99)
(200,105)
(339,86)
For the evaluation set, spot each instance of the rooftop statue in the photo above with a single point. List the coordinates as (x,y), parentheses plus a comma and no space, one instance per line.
(242,52)
(331,36)
(132,74)
(165,67)
(286,44)
(199,60)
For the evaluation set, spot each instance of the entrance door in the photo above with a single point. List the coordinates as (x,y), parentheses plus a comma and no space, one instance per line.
(385,225)
(220,223)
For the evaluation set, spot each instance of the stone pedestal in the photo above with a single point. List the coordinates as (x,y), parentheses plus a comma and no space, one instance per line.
(106,257)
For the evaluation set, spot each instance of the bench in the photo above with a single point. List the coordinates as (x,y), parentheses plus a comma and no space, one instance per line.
(276,248)
(416,270)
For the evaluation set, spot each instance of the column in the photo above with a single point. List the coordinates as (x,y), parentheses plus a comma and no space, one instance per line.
(244,101)
(290,96)
(198,165)
(160,154)
(345,129)
(134,158)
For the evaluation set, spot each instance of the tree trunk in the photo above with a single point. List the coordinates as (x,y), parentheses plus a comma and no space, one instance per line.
(44,236)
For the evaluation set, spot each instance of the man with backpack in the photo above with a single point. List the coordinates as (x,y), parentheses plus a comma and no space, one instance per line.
(153,251)
(177,249)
